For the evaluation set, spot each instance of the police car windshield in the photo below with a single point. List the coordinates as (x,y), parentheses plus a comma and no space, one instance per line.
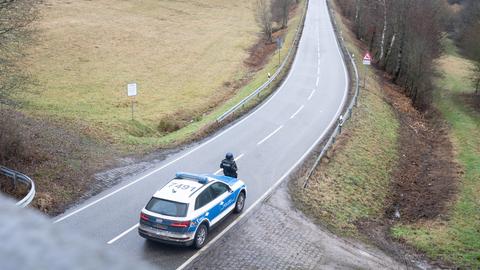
(168,208)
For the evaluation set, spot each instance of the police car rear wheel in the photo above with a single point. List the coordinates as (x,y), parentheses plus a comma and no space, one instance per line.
(240,203)
(200,236)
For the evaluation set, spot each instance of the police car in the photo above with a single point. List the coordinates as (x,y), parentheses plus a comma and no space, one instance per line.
(185,209)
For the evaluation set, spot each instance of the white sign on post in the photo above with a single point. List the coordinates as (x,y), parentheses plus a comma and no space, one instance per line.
(132,92)
(367,59)
(132,89)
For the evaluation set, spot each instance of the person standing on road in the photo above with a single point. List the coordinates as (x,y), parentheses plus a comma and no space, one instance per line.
(229,166)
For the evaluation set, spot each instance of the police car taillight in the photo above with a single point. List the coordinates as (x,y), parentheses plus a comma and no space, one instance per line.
(143,216)
(182,224)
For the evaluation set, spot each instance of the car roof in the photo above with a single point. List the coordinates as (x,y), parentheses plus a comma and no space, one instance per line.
(178,190)
(185,185)
(227,180)
(182,187)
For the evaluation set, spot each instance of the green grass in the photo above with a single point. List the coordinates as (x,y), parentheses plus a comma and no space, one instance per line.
(449,46)
(183,55)
(356,180)
(456,240)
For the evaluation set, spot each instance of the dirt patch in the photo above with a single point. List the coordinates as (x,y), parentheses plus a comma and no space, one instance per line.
(426,176)
(16,191)
(58,159)
(261,51)
(424,181)
(472,100)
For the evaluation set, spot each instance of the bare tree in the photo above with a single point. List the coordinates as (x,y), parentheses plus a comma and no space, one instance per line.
(263,17)
(469,39)
(404,37)
(280,11)
(15,19)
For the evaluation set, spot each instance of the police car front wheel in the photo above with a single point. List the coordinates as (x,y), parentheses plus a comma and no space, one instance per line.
(240,202)
(200,236)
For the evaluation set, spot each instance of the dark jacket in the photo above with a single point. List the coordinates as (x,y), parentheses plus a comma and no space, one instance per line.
(229,167)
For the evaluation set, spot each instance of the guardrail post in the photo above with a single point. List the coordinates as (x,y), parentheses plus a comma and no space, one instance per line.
(353,102)
(340,123)
(14,181)
(17,176)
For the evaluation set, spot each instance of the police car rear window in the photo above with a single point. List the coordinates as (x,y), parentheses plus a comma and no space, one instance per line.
(168,208)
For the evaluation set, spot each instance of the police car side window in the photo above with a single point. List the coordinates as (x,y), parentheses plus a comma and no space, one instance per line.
(204,198)
(218,189)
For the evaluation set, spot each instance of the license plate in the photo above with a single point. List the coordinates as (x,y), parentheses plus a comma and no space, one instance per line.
(161,227)
(159,220)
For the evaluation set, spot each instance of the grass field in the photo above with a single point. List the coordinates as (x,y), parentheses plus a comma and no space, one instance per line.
(187,58)
(190,59)
(456,239)
(355,181)
(182,54)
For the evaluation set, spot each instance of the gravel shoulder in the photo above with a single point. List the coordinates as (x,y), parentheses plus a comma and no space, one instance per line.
(278,236)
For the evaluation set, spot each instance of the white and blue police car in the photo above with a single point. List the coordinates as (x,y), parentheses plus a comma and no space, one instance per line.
(186,208)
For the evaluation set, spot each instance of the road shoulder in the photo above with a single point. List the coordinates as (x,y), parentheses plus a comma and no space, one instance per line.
(278,236)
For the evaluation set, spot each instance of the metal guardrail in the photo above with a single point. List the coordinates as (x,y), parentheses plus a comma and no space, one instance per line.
(274,76)
(17,176)
(348,111)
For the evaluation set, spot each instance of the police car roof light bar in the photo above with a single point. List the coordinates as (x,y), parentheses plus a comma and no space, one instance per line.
(202,179)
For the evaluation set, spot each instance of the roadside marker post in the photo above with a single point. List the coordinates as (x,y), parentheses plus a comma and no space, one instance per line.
(367,61)
(132,92)
(279,46)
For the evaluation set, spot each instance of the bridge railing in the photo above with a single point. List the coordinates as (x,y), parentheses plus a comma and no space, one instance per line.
(347,112)
(22,178)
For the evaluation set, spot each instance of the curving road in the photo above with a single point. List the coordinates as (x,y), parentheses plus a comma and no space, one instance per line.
(268,143)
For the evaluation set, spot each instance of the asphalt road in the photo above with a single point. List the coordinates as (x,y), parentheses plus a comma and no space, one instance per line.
(268,144)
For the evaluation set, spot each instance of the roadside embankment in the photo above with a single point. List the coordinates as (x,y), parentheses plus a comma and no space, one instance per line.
(400,179)
(454,235)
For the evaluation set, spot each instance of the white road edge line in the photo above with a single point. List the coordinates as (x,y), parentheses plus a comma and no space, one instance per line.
(270,135)
(239,157)
(136,225)
(299,109)
(122,234)
(204,249)
(318,79)
(311,94)
(279,90)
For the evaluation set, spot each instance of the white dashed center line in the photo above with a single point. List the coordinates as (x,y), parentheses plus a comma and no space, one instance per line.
(318,79)
(299,109)
(270,135)
(122,234)
(311,94)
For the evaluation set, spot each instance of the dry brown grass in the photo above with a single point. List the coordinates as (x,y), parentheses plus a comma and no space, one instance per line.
(455,66)
(181,53)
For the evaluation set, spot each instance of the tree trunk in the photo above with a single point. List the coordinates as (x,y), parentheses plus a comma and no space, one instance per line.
(384,29)
(389,50)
